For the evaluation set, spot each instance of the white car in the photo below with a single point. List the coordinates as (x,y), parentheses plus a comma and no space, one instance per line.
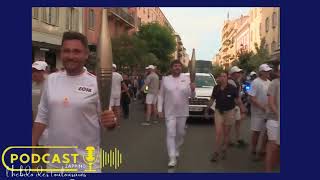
(205,83)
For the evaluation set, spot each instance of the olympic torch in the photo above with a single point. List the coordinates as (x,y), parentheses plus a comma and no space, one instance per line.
(193,67)
(104,60)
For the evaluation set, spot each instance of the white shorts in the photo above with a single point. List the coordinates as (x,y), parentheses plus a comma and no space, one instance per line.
(257,123)
(272,129)
(114,102)
(237,113)
(151,99)
(278,135)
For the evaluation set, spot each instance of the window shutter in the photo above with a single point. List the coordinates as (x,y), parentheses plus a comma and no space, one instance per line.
(57,16)
(76,20)
(44,15)
(67,18)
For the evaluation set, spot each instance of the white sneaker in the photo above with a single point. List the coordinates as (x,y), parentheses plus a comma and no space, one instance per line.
(145,123)
(172,162)
(177,154)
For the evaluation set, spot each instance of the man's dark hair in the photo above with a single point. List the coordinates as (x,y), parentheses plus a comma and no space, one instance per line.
(72,35)
(175,62)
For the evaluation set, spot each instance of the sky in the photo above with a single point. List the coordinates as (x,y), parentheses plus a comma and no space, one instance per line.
(200,27)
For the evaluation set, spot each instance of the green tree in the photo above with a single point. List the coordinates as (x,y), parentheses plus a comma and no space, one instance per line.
(243,61)
(250,61)
(261,56)
(128,51)
(217,70)
(160,41)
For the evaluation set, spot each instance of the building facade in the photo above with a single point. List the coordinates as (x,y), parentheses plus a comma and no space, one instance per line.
(270,28)
(234,37)
(244,33)
(120,21)
(48,25)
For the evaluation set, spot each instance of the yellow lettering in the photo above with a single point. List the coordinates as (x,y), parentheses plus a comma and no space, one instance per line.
(66,158)
(26,160)
(45,160)
(56,158)
(13,157)
(74,158)
(33,156)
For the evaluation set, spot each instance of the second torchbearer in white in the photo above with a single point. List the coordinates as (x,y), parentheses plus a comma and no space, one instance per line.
(173,104)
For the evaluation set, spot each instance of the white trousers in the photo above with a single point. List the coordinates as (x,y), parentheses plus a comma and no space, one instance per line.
(175,134)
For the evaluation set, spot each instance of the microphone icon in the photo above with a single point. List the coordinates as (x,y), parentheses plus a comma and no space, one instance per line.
(90,158)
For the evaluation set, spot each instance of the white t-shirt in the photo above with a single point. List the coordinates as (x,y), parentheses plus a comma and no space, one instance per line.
(174,96)
(70,108)
(259,89)
(116,85)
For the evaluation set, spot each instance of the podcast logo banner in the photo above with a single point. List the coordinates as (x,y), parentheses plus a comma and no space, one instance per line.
(12,159)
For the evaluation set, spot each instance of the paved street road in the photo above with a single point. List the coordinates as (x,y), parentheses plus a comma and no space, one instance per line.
(144,148)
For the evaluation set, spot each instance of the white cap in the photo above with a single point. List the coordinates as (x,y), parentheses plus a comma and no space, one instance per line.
(264,67)
(114,66)
(253,73)
(235,69)
(40,65)
(151,67)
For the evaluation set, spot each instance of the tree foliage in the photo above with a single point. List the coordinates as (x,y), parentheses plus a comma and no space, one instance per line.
(217,70)
(250,61)
(160,41)
(128,51)
(152,44)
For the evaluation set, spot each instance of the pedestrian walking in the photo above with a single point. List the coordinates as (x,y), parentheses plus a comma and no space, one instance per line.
(273,123)
(125,96)
(152,81)
(259,108)
(135,87)
(173,101)
(226,97)
(39,76)
(235,79)
(70,106)
(117,83)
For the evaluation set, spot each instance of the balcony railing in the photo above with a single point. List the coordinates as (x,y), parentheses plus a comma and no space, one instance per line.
(123,15)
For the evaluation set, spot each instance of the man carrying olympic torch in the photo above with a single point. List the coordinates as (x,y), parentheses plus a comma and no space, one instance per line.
(74,103)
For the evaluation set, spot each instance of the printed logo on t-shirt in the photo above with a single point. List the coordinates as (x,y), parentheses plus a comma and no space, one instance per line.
(65,101)
(84,89)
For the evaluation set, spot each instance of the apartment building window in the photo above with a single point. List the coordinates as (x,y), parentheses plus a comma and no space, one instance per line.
(273,46)
(148,14)
(91,19)
(35,13)
(274,19)
(72,21)
(50,16)
(267,24)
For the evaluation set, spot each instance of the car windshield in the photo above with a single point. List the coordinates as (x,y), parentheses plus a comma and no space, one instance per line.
(204,81)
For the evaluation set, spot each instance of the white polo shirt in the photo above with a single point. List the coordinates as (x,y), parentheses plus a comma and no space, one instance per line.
(259,89)
(174,96)
(70,107)
(116,85)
